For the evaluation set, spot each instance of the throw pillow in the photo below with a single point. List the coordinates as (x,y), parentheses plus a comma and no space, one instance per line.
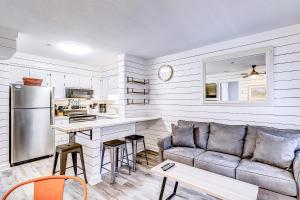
(275,150)
(226,138)
(201,131)
(183,136)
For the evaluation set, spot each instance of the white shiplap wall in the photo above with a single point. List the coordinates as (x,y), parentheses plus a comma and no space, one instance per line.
(181,97)
(132,66)
(4,121)
(7,49)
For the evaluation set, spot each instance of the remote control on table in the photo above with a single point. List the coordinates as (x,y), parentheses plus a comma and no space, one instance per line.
(167,166)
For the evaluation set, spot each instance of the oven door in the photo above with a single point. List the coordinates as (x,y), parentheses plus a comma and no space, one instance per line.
(82,119)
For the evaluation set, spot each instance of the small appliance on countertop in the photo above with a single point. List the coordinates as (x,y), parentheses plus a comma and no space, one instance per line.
(102,108)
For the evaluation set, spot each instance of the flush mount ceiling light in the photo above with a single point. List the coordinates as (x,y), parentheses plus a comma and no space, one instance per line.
(74,48)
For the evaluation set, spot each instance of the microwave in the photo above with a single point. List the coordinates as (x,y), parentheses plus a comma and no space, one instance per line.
(79,93)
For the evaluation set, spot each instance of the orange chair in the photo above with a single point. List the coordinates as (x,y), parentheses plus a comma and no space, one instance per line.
(48,187)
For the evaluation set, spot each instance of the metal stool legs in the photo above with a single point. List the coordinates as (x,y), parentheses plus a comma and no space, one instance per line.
(134,139)
(145,151)
(114,159)
(63,151)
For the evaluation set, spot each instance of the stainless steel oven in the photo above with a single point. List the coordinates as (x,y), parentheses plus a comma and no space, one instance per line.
(79,93)
(82,118)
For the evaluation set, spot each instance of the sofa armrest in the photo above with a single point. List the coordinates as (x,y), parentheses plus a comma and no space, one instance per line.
(164,144)
(296,171)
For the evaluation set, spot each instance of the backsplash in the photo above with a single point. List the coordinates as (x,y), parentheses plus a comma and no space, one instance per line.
(112,106)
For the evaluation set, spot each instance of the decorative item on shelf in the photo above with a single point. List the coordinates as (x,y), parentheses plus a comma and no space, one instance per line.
(137,81)
(165,73)
(137,91)
(137,101)
(32,81)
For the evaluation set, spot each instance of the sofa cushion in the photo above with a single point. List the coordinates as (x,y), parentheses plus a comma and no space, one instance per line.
(281,156)
(226,138)
(251,136)
(183,136)
(267,177)
(216,162)
(183,155)
(269,195)
(201,131)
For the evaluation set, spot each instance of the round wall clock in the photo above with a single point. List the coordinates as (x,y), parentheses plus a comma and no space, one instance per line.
(165,73)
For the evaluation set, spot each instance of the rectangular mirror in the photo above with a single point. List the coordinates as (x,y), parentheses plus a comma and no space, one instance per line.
(239,78)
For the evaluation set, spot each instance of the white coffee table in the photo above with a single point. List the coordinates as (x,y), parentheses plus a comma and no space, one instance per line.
(210,183)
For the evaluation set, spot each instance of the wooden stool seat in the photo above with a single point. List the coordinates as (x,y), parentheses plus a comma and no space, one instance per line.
(69,147)
(65,149)
(134,137)
(114,143)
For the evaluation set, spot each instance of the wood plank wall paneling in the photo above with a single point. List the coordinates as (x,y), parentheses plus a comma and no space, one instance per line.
(131,66)
(181,97)
(4,123)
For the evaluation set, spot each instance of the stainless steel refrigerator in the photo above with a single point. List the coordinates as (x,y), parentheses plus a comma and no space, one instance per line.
(31,117)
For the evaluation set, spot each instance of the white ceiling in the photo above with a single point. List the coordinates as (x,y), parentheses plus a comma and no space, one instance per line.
(146,28)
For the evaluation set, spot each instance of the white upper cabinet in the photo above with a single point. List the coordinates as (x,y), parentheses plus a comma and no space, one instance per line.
(113,84)
(72,80)
(96,86)
(41,74)
(58,82)
(104,88)
(85,82)
(17,73)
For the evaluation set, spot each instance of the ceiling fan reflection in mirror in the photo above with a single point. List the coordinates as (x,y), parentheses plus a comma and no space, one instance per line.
(253,73)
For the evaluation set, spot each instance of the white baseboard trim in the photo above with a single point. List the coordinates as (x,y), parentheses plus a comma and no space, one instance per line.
(4,167)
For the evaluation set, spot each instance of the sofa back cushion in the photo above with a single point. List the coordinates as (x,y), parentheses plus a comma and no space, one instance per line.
(201,131)
(226,138)
(252,131)
(275,150)
(183,136)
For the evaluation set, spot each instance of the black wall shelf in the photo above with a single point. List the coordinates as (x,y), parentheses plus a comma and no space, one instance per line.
(137,91)
(137,81)
(137,101)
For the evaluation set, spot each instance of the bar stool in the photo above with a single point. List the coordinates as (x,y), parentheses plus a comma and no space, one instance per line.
(115,146)
(134,139)
(64,150)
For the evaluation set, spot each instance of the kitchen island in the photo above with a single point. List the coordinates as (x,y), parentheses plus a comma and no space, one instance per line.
(91,134)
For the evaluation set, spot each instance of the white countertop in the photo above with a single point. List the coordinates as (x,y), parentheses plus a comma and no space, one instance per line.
(82,126)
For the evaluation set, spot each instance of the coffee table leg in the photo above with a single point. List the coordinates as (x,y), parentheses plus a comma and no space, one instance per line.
(174,192)
(163,189)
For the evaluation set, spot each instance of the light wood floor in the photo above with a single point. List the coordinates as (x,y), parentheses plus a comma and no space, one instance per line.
(140,185)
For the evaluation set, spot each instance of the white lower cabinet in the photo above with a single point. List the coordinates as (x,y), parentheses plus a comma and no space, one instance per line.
(61,137)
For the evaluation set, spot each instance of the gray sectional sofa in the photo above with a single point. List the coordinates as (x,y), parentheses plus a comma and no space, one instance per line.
(229,150)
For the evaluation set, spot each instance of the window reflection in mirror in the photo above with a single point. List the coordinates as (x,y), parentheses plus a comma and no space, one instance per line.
(241,79)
